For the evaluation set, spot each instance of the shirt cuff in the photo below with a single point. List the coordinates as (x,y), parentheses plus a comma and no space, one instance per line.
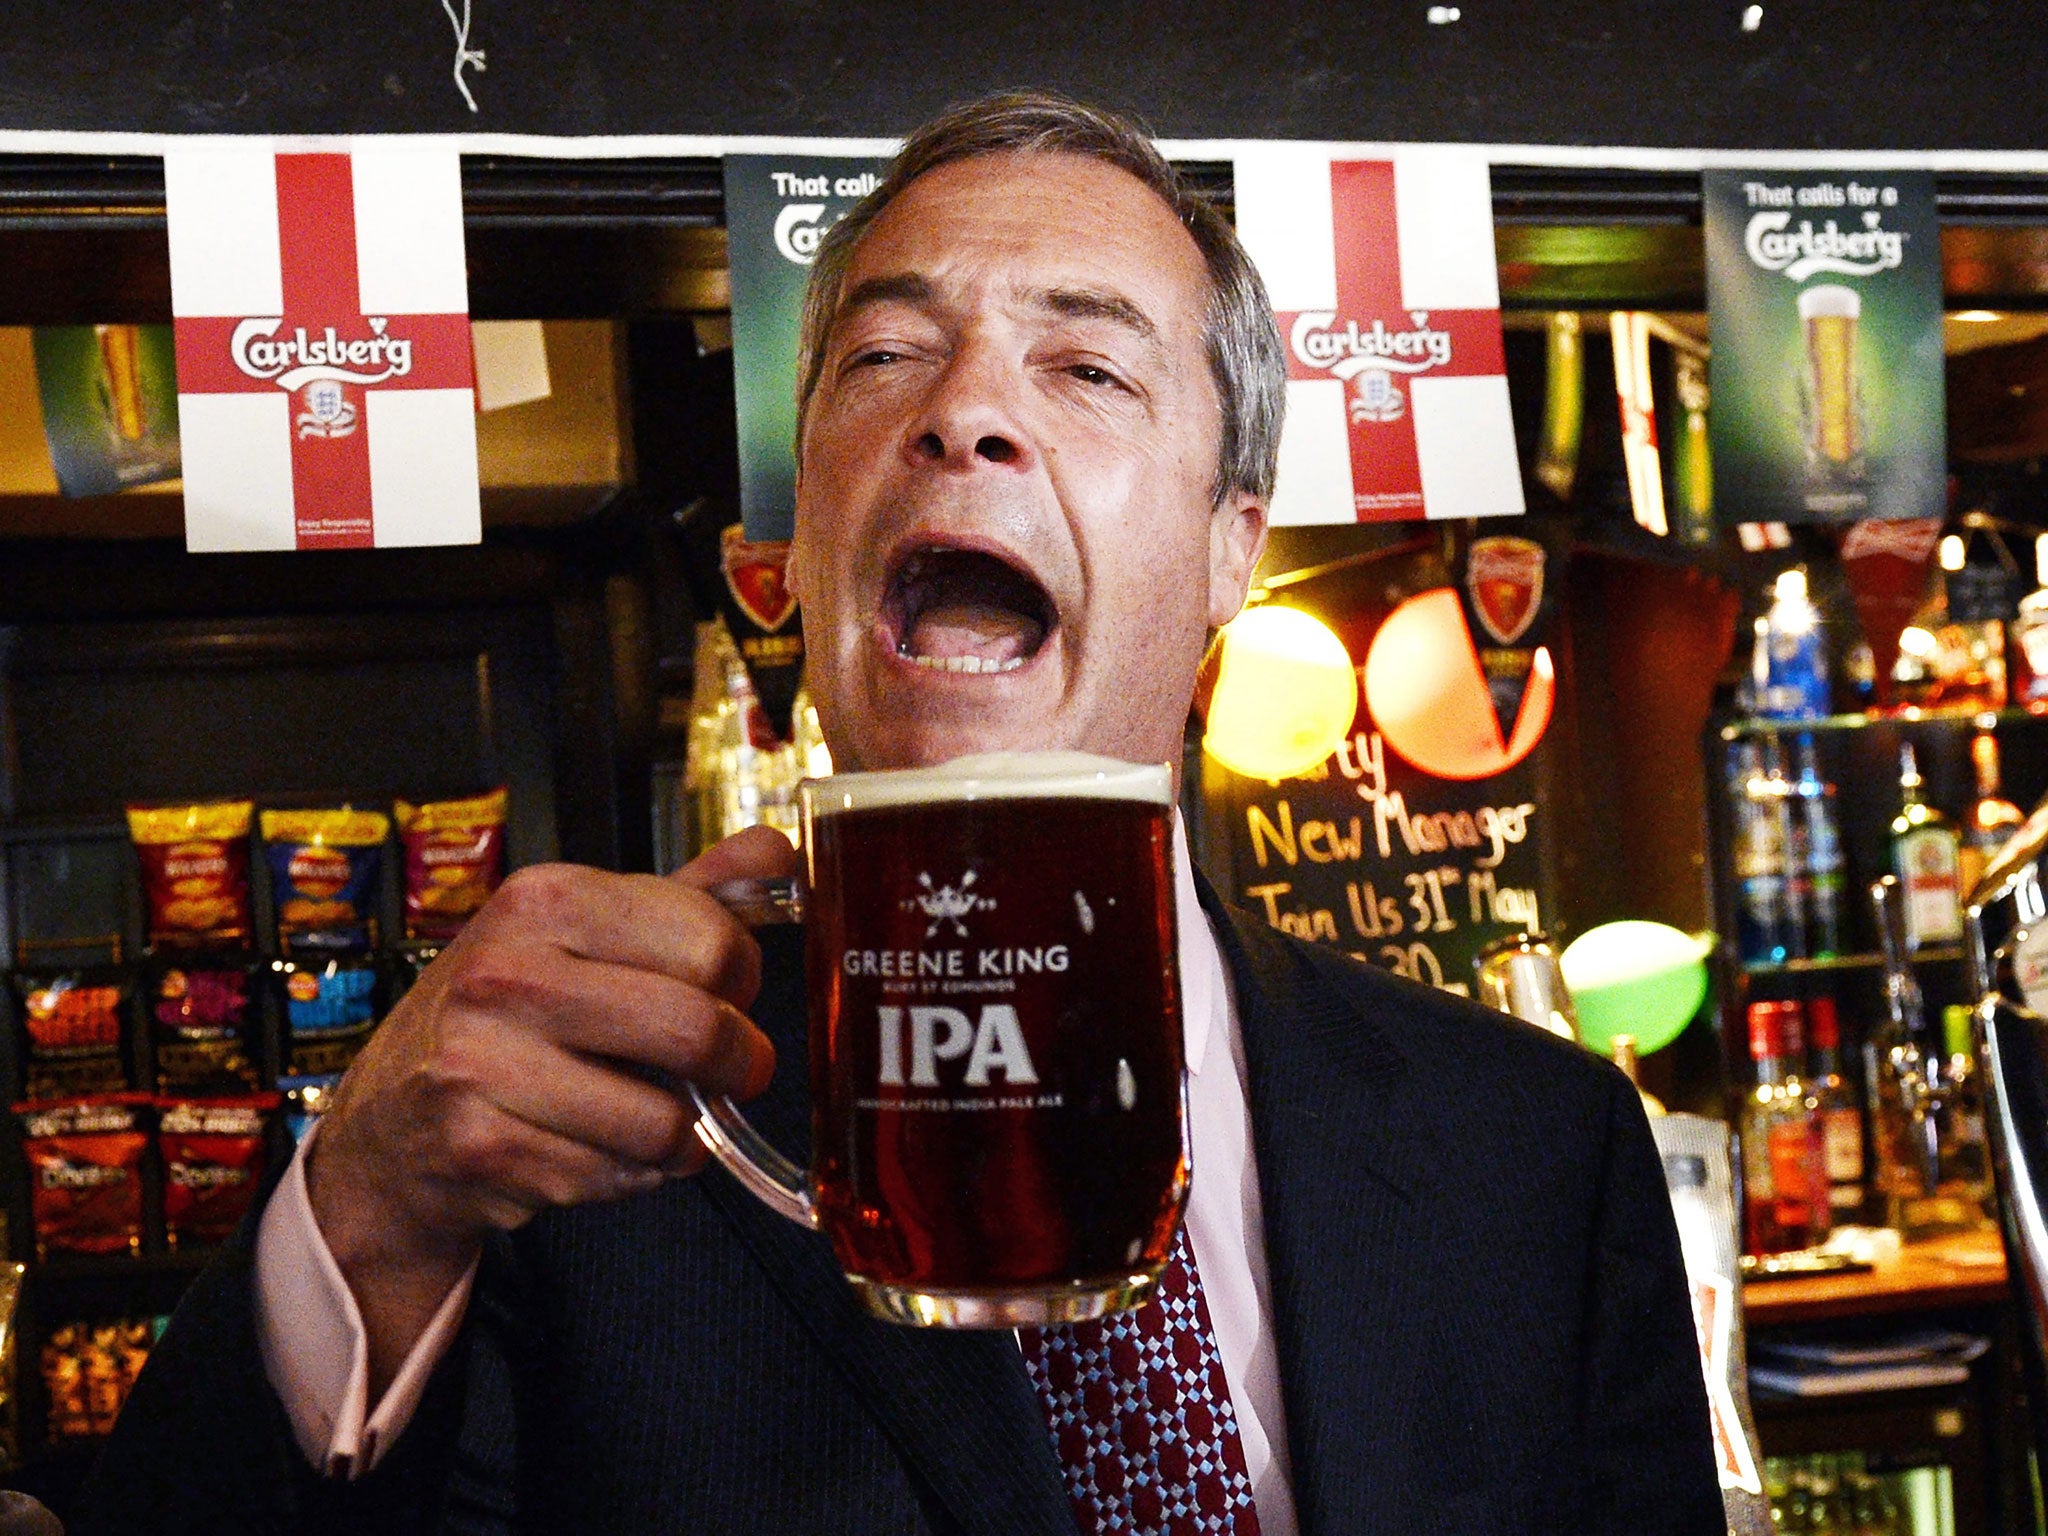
(315,1348)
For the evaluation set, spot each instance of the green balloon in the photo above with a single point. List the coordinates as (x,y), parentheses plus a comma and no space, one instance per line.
(1636,978)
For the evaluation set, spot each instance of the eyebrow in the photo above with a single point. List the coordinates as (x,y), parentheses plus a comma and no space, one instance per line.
(1070,303)
(1096,304)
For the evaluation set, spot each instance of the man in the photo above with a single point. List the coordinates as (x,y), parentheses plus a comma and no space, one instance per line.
(1040,412)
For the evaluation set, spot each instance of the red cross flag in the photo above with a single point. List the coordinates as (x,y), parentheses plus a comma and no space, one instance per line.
(1382,276)
(326,398)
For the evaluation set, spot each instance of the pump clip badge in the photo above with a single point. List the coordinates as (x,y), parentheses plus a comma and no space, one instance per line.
(1504,578)
(755,575)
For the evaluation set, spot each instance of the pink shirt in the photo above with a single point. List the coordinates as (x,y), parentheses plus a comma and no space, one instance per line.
(317,1354)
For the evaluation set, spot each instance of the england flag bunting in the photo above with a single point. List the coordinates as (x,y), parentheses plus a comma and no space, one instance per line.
(1381,272)
(326,394)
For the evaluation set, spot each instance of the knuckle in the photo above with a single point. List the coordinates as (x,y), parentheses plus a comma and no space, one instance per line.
(494,979)
(540,895)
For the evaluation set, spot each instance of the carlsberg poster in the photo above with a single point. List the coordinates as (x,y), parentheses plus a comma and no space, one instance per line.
(777,209)
(1824,301)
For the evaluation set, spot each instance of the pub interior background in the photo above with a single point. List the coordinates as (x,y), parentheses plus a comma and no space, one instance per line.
(564,657)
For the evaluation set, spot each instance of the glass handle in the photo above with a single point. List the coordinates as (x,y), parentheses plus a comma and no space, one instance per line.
(744,1152)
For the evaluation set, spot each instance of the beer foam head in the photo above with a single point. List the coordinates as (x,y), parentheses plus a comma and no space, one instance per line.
(1829,301)
(994,776)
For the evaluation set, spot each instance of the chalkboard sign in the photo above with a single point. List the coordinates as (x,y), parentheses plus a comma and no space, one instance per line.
(1369,853)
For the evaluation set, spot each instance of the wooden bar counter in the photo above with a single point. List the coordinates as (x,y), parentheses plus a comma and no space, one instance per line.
(1947,1272)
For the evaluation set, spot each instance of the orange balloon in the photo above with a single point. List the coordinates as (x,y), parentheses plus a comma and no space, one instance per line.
(1427,693)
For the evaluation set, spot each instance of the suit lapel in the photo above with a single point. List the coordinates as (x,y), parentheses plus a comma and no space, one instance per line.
(958,1405)
(1345,1179)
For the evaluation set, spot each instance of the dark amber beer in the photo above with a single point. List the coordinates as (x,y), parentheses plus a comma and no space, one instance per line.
(996,1052)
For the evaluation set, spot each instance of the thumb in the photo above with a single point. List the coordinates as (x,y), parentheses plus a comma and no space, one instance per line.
(752,853)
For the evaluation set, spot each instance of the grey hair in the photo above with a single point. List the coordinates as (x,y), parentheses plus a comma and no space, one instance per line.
(1246,358)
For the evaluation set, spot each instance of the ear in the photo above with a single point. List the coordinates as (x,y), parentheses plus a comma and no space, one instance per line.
(1237,537)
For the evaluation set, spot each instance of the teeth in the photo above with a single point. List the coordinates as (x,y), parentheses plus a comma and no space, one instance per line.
(964,663)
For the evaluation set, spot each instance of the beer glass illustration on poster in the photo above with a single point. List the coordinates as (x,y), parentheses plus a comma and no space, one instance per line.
(1824,307)
(777,209)
(110,405)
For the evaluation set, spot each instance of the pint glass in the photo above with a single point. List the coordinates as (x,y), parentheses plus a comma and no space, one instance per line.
(1829,314)
(995,1040)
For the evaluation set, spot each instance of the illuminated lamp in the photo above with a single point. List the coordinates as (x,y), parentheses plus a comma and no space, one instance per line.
(1286,694)
(1635,978)
(1429,697)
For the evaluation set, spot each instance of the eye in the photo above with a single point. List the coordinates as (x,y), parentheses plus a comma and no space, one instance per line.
(1088,373)
(874,357)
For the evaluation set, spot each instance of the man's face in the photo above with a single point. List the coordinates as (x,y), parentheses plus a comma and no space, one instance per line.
(1006,534)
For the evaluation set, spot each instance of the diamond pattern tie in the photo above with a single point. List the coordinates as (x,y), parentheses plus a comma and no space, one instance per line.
(1140,1416)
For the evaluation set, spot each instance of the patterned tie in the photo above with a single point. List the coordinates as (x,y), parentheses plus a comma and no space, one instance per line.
(1141,1418)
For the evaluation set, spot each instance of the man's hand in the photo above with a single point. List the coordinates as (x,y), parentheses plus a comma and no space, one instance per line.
(495,1087)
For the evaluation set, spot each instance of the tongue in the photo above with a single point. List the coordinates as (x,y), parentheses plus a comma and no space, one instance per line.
(966,628)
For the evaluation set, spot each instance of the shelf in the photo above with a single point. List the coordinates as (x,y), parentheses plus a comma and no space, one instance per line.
(1736,730)
(59,1267)
(1935,954)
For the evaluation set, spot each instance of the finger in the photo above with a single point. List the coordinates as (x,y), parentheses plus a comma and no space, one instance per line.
(586,1101)
(752,853)
(641,1016)
(642,921)
(508,1168)
(612,1010)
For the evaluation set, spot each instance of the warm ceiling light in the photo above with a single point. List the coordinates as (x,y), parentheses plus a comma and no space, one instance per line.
(1286,694)
(1430,698)
(1976,316)
(1951,552)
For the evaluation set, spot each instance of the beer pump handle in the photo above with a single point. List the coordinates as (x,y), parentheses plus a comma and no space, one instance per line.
(747,1155)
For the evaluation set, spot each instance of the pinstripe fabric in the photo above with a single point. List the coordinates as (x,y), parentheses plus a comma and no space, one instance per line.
(1478,1307)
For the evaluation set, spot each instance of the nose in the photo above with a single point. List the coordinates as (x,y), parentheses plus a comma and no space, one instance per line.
(970,420)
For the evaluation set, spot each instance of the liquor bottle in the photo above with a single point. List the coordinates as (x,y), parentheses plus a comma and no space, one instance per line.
(1980,599)
(1992,816)
(2029,649)
(1841,1111)
(1823,840)
(1926,856)
(1759,856)
(1783,805)
(1966,1151)
(1795,680)
(1925,1171)
(739,771)
(1784,1150)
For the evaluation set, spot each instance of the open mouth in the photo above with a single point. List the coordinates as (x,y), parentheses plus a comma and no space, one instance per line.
(960,610)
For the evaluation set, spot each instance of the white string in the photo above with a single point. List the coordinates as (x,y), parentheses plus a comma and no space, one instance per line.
(464,54)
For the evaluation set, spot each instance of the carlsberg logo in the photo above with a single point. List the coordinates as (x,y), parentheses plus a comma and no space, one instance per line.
(995,1044)
(1318,341)
(301,356)
(1801,252)
(798,230)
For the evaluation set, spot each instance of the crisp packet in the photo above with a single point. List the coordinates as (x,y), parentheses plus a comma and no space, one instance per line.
(306,1098)
(204,1026)
(324,876)
(213,1160)
(88,1371)
(454,859)
(85,1172)
(71,1025)
(330,1008)
(195,871)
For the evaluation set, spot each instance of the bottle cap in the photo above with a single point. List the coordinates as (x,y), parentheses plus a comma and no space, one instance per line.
(1824,1025)
(1955,1029)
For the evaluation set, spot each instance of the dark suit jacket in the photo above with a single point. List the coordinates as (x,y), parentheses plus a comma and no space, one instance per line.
(1476,1283)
